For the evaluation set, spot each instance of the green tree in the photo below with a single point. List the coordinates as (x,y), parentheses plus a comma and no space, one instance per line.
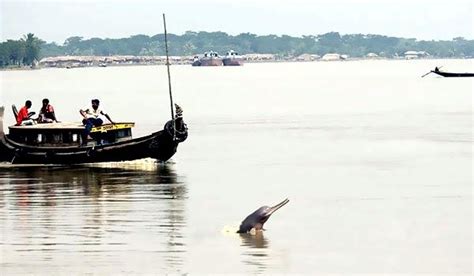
(16,52)
(32,48)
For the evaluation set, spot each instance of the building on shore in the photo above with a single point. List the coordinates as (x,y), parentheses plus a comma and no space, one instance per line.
(104,61)
(416,54)
(332,57)
(259,57)
(372,56)
(307,57)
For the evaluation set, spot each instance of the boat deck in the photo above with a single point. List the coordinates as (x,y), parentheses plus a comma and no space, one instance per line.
(74,126)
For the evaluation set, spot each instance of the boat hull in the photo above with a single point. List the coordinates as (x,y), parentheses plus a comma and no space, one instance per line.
(232,62)
(208,62)
(159,146)
(453,75)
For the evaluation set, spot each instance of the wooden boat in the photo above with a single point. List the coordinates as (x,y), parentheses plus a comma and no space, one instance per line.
(59,143)
(232,58)
(451,75)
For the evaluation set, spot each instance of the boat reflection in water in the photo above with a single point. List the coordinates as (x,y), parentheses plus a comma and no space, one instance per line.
(93,215)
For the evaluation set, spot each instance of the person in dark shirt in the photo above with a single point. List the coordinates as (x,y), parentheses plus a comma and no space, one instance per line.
(46,114)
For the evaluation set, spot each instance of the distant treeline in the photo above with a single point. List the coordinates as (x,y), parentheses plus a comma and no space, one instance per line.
(191,43)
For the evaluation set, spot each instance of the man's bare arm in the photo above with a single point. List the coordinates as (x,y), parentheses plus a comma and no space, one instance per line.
(82,112)
(108,118)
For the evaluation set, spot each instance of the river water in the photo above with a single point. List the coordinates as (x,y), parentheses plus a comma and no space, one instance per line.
(376,162)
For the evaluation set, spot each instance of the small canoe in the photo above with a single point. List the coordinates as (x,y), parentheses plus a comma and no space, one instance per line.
(452,75)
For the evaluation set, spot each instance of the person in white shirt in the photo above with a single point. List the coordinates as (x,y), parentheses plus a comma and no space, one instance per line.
(91,118)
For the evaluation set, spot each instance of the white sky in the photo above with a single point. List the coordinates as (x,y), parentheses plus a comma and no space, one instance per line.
(56,20)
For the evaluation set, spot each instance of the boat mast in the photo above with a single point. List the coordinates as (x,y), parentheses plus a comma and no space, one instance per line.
(169,78)
(2,109)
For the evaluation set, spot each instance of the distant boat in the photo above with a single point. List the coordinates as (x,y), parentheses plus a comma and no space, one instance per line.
(232,58)
(209,59)
(451,75)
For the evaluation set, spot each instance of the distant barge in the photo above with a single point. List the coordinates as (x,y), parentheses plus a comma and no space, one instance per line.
(209,59)
(232,58)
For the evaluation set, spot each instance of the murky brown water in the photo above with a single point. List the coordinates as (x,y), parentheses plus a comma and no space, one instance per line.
(376,161)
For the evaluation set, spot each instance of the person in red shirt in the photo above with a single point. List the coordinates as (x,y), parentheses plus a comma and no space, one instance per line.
(22,118)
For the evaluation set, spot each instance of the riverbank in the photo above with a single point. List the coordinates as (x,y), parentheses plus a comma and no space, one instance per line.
(19,68)
(70,62)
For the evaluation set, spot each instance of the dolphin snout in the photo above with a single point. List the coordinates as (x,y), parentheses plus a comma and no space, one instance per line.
(278,206)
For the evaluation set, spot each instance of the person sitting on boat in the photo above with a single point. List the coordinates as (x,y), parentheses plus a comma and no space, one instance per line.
(46,114)
(436,69)
(91,118)
(23,117)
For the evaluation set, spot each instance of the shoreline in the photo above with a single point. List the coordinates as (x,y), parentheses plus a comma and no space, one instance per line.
(19,68)
(72,66)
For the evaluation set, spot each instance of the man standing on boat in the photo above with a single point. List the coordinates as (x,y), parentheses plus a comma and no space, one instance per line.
(23,117)
(91,118)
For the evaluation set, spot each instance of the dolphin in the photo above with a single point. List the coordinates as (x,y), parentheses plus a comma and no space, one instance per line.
(256,219)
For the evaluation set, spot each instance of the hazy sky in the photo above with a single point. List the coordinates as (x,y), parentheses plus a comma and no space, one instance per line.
(56,20)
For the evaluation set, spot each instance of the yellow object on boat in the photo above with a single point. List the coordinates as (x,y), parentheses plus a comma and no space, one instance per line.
(108,127)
